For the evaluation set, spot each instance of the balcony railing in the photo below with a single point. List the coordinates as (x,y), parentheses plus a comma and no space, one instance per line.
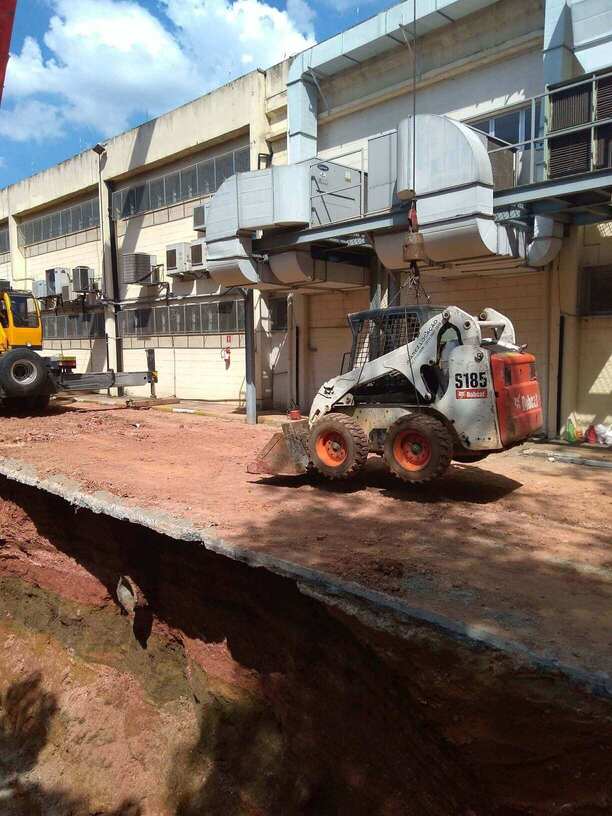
(572,137)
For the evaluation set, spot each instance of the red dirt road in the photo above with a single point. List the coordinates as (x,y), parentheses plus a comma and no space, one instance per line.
(516,546)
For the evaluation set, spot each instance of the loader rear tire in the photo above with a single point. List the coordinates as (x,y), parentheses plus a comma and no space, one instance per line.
(339,447)
(418,448)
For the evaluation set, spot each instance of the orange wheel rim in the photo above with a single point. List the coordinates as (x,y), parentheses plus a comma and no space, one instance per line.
(412,450)
(331,448)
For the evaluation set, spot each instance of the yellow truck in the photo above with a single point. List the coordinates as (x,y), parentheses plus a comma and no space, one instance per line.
(27,378)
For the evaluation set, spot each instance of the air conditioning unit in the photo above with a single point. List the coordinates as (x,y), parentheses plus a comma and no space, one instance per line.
(83,279)
(40,289)
(178,259)
(197,255)
(199,217)
(56,279)
(5,285)
(137,267)
(68,293)
(155,278)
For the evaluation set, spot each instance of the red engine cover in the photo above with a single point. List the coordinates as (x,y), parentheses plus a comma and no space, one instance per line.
(517,392)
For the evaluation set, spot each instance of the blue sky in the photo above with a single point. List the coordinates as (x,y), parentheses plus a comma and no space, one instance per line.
(84,70)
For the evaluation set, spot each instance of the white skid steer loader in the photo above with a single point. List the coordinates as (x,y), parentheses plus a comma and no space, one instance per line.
(423,386)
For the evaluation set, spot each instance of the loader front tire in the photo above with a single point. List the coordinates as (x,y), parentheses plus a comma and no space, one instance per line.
(338,446)
(23,373)
(418,448)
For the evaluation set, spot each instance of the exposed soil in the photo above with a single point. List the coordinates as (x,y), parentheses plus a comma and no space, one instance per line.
(231,693)
(517,547)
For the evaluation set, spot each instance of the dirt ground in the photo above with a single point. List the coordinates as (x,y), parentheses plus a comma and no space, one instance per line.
(516,546)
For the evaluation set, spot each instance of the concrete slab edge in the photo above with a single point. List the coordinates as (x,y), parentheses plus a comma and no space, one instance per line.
(568,458)
(313,582)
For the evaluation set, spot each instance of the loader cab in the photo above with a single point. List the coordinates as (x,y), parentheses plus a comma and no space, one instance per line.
(376,332)
(20,323)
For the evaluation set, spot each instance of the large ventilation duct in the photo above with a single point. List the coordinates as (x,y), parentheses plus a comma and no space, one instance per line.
(302,270)
(244,204)
(445,164)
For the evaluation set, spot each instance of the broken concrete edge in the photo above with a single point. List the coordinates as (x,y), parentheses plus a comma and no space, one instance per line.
(311,582)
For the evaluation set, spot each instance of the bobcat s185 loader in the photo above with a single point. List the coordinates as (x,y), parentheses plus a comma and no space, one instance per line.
(423,386)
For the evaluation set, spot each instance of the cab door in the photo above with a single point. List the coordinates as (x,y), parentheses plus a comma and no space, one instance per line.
(24,324)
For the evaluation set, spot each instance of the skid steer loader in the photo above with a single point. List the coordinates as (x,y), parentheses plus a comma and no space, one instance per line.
(423,386)
(27,379)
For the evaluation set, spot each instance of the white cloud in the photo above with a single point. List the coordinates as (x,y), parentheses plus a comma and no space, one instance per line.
(32,120)
(112,61)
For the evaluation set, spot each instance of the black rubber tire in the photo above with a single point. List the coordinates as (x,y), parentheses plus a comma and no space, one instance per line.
(355,443)
(438,439)
(23,373)
(467,459)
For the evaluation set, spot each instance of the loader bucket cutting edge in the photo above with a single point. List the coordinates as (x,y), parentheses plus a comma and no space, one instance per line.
(286,454)
(276,460)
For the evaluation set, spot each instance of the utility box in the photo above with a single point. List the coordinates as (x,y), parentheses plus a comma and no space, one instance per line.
(83,279)
(137,267)
(337,193)
(382,172)
(56,278)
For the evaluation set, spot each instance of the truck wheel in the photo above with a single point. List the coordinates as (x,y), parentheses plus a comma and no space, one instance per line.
(418,448)
(338,446)
(23,373)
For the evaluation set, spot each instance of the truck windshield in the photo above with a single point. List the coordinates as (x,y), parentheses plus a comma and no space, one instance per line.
(24,311)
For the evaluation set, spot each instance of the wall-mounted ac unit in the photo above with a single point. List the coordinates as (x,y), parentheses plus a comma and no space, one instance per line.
(40,289)
(197,255)
(178,259)
(68,293)
(83,279)
(137,267)
(56,278)
(199,217)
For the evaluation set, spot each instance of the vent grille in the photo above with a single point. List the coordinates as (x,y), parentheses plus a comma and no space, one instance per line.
(570,155)
(571,107)
(136,267)
(604,146)
(604,98)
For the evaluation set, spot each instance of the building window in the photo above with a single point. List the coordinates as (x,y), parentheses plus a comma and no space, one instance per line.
(4,240)
(73,326)
(278,314)
(512,126)
(221,317)
(195,181)
(597,290)
(64,222)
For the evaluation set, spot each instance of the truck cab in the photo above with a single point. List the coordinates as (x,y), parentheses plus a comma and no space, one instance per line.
(20,323)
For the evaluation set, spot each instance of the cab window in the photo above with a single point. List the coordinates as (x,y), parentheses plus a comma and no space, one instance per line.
(24,311)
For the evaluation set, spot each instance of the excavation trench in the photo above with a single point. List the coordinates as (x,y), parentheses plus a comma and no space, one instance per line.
(233,690)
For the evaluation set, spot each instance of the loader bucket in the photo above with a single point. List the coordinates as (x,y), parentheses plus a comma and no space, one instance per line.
(286,454)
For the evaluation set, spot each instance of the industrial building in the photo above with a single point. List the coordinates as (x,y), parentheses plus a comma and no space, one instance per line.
(117,243)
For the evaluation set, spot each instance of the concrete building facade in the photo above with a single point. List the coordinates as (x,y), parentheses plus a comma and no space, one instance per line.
(488,64)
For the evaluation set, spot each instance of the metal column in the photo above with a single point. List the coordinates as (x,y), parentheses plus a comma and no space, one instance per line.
(249,341)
